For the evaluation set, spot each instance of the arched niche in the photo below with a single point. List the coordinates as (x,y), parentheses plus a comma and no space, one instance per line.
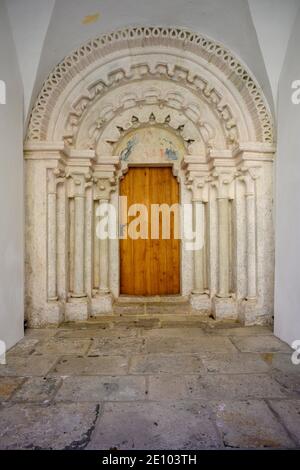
(126,85)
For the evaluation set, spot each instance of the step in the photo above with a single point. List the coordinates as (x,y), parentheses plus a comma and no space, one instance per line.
(155,299)
(142,321)
(152,309)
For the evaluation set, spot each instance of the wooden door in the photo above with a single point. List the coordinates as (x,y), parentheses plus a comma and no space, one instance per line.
(150,266)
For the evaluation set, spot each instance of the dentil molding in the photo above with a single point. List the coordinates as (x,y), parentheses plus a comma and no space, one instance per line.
(215,56)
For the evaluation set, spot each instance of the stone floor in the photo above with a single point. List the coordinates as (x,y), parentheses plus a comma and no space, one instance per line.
(150,382)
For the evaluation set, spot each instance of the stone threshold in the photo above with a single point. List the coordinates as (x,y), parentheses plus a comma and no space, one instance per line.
(153,320)
(152,299)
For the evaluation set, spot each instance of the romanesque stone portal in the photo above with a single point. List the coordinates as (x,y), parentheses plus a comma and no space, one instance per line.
(95,107)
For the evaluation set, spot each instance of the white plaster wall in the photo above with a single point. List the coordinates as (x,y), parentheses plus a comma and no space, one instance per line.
(273,21)
(227,21)
(11,190)
(29,21)
(287,270)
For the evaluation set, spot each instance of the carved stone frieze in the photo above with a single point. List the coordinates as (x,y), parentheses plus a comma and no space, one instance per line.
(225,64)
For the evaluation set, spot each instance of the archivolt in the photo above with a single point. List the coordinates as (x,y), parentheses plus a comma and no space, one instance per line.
(204,66)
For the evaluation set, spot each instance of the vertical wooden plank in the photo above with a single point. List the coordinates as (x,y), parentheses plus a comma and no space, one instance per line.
(150,267)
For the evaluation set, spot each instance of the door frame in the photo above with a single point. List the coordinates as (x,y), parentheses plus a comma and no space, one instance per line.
(185,257)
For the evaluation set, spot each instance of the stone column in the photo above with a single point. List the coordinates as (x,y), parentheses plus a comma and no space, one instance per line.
(197,187)
(103,259)
(222,183)
(104,183)
(77,307)
(249,180)
(54,177)
(199,254)
(224,304)
(223,229)
(255,172)
(251,251)
(197,182)
(79,203)
(102,190)
(51,242)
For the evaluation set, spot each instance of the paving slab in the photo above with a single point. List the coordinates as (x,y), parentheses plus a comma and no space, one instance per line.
(116,346)
(199,345)
(103,365)
(59,346)
(90,333)
(289,414)
(167,387)
(239,330)
(289,381)
(173,332)
(166,364)
(37,389)
(107,388)
(260,343)
(234,386)
(284,371)
(237,363)
(58,426)
(8,385)
(27,366)
(153,425)
(281,362)
(250,425)
(24,347)
(40,333)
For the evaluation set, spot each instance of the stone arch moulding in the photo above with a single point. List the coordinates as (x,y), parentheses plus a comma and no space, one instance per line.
(162,78)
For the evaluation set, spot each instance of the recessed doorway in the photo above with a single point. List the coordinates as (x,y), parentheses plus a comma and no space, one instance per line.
(151,266)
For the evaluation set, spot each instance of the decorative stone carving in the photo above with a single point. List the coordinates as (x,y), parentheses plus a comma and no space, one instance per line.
(88,107)
(148,37)
(174,107)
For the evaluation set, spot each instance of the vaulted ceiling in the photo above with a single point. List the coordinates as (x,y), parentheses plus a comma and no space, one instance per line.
(47,30)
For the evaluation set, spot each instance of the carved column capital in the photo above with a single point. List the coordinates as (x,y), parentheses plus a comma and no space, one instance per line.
(197,177)
(103,188)
(197,184)
(248,175)
(222,180)
(77,184)
(54,177)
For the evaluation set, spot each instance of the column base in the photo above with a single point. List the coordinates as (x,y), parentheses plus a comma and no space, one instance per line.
(52,313)
(251,313)
(224,308)
(200,302)
(101,303)
(77,309)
